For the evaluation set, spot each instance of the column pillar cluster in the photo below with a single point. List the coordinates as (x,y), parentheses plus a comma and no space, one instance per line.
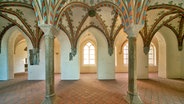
(132,95)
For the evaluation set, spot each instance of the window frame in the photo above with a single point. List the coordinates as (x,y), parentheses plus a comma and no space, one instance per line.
(125,60)
(154,59)
(89,54)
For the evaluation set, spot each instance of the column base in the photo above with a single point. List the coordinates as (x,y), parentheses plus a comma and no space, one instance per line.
(52,99)
(133,98)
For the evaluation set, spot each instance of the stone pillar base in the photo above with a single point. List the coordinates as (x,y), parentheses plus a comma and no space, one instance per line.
(51,100)
(133,98)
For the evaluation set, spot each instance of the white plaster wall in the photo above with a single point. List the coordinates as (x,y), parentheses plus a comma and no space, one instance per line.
(19,57)
(106,63)
(11,41)
(162,67)
(142,60)
(69,69)
(173,55)
(37,72)
(4,57)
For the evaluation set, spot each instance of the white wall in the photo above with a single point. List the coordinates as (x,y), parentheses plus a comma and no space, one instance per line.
(37,72)
(4,57)
(19,57)
(142,59)
(173,61)
(162,55)
(69,69)
(11,43)
(106,63)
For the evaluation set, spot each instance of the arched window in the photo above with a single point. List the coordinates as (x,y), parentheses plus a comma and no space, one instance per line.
(125,53)
(152,55)
(89,53)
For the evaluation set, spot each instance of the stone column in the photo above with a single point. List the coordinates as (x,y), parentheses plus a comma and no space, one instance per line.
(132,95)
(50,97)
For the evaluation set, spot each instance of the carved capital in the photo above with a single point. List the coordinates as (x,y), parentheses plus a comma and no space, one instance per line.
(34,56)
(110,47)
(180,47)
(133,30)
(49,30)
(72,53)
(146,50)
(110,50)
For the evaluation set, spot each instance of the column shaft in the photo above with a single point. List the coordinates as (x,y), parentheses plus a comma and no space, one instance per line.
(132,85)
(132,96)
(49,64)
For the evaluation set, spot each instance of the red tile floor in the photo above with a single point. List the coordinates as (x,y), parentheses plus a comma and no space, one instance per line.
(89,90)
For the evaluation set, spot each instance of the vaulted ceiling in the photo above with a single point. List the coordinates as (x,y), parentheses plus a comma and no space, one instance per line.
(76,16)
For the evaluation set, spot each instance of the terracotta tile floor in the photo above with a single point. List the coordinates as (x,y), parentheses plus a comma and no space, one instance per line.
(89,90)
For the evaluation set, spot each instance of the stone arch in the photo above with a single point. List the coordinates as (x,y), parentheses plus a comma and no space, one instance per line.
(173,56)
(106,63)
(8,51)
(81,42)
(162,64)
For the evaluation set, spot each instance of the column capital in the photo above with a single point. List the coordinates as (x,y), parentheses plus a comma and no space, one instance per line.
(133,29)
(48,29)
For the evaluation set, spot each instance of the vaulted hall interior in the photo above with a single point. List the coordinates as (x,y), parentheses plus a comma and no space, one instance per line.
(62,46)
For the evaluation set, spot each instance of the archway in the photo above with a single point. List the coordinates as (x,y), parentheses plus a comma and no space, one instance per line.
(153,56)
(20,55)
(105,62)
(161,55)
(88,54)
(170,57)
(8,53)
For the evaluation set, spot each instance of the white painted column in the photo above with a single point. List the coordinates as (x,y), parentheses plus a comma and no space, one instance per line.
(50,97)
(132,94)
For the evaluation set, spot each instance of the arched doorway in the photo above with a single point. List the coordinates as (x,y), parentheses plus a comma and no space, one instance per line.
(88,54)
(14,53)
(161,58)
(20,55)
(153,57)
(17,55)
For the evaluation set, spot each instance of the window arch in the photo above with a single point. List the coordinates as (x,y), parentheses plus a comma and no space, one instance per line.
(89,54)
